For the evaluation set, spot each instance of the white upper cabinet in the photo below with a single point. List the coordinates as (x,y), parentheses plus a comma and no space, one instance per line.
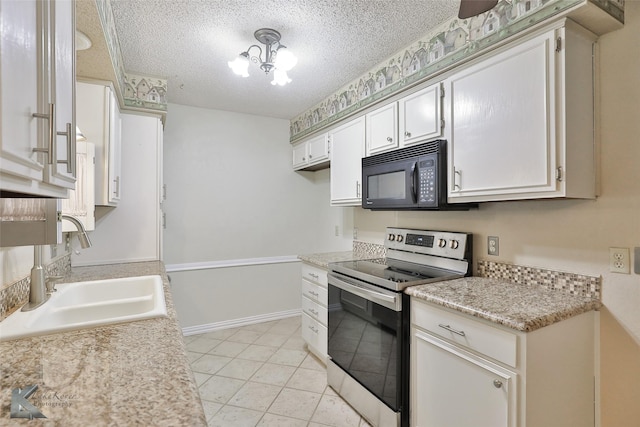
(522,121)
(62,171)
(312,154)
(81,203)
(98,117)
(37,71)
(421,115)
(347,150)
(382,129)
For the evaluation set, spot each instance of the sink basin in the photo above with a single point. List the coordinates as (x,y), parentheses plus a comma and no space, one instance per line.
(83,305)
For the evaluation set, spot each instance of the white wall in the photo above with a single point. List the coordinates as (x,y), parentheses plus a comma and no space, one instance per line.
(232,194)
(575,235)
(131,231)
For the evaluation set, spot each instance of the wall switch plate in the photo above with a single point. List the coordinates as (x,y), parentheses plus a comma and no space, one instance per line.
(493,245)
(619,260)
(636,260)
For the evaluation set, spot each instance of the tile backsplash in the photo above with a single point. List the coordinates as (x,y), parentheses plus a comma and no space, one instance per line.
(16,294)
(570,283)
(369,249)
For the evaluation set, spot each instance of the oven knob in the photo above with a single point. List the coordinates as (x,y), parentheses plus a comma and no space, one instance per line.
(454,244)
(442,243)
(399,238)
(392,237)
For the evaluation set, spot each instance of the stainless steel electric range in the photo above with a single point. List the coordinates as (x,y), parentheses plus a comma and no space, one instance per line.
(369,318)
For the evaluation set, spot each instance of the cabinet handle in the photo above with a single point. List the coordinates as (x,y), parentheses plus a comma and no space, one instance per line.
(314,312)
(407,134)
(497,383)
(116,192)
(315,294)
(389,139)
(71,150)
(457,179)
(450,329)
(357,188)
(315,276)
(52,133)
(315,330)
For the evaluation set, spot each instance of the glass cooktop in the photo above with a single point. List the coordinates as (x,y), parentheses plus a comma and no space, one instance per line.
(391,273)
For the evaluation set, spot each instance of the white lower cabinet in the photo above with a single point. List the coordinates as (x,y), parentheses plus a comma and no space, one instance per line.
(314,309)
(456,388)
(468,372)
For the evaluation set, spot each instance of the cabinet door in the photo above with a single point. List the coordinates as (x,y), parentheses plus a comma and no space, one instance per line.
(300,155)
(382,129)
(80,203)
(62,172)
(115,150)
(98,117)
(318,149)
(421,115)
(20,82)
(452,388)
(347,150)
(503,130)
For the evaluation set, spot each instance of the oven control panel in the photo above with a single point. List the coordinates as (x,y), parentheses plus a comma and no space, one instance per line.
(439,243)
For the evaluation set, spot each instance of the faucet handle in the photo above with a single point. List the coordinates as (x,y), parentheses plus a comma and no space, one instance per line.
(50,283)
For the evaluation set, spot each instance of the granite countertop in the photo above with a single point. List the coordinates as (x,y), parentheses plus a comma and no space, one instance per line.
(134,373)
(322,260)
(520,307)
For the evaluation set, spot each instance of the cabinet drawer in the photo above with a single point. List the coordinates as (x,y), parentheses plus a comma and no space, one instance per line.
(496,343)
(315,310)
(314,274)
(314,292)
(315,334)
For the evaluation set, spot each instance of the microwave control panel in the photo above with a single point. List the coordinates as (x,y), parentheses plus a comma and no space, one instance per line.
(427,186)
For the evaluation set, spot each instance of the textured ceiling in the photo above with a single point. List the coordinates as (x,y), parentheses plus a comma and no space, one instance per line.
(189,43)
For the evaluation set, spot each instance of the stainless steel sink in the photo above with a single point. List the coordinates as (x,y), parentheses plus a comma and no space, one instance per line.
(83,305)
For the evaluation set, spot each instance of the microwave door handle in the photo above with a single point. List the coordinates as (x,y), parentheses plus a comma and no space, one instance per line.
(414,183)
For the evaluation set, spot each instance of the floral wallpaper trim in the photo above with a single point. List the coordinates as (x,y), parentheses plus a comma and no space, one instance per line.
(446,45)
(137,91)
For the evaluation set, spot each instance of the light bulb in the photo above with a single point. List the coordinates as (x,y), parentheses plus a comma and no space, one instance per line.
(280,77)
(240,65)
(285,59)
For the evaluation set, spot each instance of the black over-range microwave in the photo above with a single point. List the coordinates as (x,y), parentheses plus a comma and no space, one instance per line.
(411,178)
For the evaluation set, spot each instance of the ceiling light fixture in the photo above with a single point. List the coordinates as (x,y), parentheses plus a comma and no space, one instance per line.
(277,57)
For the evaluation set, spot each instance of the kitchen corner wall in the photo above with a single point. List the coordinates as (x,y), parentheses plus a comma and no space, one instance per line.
(233,198)
(575,235)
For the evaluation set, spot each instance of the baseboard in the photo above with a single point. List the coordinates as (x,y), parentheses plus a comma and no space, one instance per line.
(210,327)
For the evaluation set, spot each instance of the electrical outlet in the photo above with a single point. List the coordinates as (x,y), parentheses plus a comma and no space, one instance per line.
(619,260)
(493,245)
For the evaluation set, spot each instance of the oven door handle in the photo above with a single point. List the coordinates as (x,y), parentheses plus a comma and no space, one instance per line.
(392,302)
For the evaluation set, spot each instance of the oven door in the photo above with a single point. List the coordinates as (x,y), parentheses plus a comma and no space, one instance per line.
(368,339)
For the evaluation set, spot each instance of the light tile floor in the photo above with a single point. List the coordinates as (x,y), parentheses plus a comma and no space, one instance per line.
(262,375)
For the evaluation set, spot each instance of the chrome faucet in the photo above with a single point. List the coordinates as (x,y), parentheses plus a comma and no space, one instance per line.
(37,289)
(82,233)
(38,292)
